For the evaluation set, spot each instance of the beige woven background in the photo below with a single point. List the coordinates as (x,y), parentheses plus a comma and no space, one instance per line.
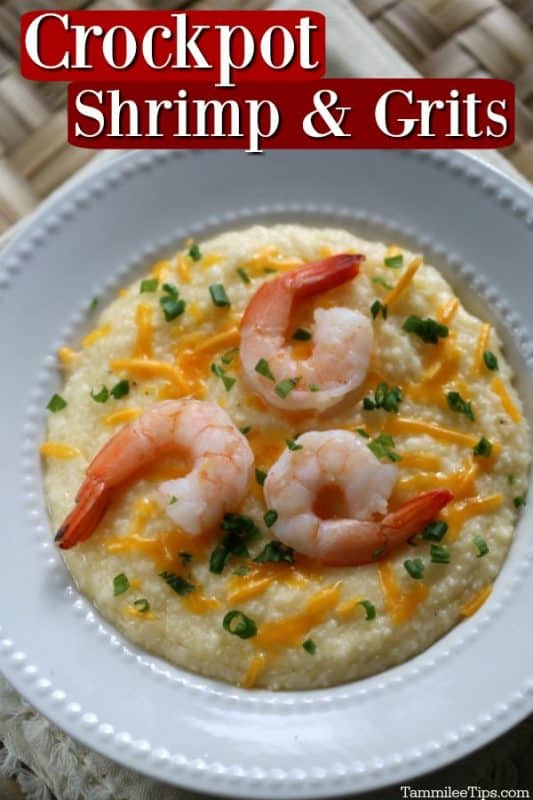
(454,38)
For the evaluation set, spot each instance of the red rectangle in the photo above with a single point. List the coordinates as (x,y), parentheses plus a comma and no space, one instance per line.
(377,113)
(53,50)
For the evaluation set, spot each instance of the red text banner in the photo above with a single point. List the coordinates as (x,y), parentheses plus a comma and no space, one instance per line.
(341,113)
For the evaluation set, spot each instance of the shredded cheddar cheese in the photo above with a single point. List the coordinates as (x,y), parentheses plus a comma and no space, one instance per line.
(96,334)
(475,603)
(457,513)
(400,425)
(196,312)
(447,312)
(184,268)
(122,416)
(58,450)
(420,461)
(290,631)
(255,667)
(159,267)
(197,603)
(498,387)
(481,346)
(131,611)
(403,282)
(220,341)
(400,605)
(150,368)
(66,355)
(211,258)
(143,320)
(346,609)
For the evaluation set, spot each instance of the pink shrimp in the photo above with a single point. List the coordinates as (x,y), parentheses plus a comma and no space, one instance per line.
(342,338)
(339,459)
(217,483)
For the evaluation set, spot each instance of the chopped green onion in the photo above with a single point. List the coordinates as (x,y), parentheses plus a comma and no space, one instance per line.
(240,530)
(185,558)
(309,646)
(491,362)
(171,306)
(177,583)
(238,624)
(313,387)
(510,479)
(285,387)
(229,355)
(195,253)
(102,396)
(520,500)
(483,447)
(381,282)
(246,429)
(415,568)
(243,570)
(263,369)
(219,296)
(228,381)
(482,546)
(148,285)
(56,403)
(439,554)
(428,329)
(369,608)
(456,403)
(435,531)
(394,262)
(173,500)
(120,389)
(301,335)
(382,447)
(243,275)
(377,553)
(171,290)
(377,307)
(93,304)
(276,552)
(386,398)
(142,605)
(270,517)
(121,584)
(291,444)
(260,476)
(363,433)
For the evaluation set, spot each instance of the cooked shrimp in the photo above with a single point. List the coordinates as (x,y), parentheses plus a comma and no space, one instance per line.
(337,463)
(221,466)
(342,338)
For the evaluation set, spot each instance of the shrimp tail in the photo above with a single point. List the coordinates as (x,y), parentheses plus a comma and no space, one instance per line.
(92,501)
(414,515)
(325,274)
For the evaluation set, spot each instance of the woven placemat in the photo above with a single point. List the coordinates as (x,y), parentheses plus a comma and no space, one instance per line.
(457,38)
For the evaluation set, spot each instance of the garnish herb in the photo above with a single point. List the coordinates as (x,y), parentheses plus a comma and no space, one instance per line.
(439,554)
(456,403)
(309,646)
(142,605)
(177,583)
(243,570)
(381,282)
(120,389)
(229,355)
(301,335)
(313,387)
(377,553)
(195,253)
(121,584)
(275,552)
(415,568)
(219,296)
(481,545)
(369,608)
(246,429)
(520,500)
(228,381)
(428,329)
(148,285)
(263,369)
(363,433)
(270,517)
(377,307)
(382,447)
(394,262)
(269,270)
(243,275)
(102,396)
(237,623)
(56,403)
(435,531)
(185,558)
(491,362)
(93,304)
(483,447)
(240,531)
(285,387)
(292,445)
(260,476)
(510,479)
(386,398)
(173,500)
(170,303)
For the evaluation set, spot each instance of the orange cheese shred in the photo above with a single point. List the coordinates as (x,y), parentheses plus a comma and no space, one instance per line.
(403,282)
(66,355)
(255,667)
(96,334)
(122,416)
(400,425)
(143,320)
(346,609)
(58,450)
(498,387)
(131,611)
(197,603)
(400,605)
(457,513)
(290,631)
(481,346)
(448,311)
(150,368)
(475,603)
(184,268)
